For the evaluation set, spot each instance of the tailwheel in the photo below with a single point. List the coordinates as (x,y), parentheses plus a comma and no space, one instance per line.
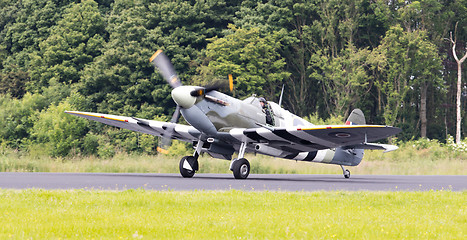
(241,168)
(188,166)
(346,172)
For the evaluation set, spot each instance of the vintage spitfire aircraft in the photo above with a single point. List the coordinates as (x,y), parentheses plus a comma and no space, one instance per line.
(222,125)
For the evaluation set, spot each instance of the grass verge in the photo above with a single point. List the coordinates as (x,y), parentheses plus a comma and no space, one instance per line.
(423,157)
(375,162)
(136,214)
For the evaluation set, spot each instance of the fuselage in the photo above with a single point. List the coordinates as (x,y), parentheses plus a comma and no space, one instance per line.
(235,113)
(224,113)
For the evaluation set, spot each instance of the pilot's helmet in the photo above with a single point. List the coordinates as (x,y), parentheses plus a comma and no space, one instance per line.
(261,99)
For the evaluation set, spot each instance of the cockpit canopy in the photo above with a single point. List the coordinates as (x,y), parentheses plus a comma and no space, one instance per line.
(253,100)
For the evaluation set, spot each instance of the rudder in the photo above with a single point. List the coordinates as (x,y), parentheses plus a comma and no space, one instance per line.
(356,117)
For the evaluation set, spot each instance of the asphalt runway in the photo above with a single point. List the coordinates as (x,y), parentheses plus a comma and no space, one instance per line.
(255,182)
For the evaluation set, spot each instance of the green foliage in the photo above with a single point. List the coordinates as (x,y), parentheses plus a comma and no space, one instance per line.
(13,83)
(179,148)
(90,144)
(404,61)
(456,147)
(425,143)
(382,56)
(332,120)
(18,118)
(118,80)
(73,42)
(58,132)
(27,23)
(252,58)
(105,150)
(344,78)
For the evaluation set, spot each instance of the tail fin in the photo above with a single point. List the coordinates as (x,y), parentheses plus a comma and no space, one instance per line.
(350,156)
(356,117)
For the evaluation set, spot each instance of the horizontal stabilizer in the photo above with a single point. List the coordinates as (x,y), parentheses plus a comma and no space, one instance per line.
(375,146)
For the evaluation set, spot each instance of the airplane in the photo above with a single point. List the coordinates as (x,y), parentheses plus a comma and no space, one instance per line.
(221,125)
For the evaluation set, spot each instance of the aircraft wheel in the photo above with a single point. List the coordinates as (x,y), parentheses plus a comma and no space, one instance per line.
(241,168)
(347,173)
(188,166)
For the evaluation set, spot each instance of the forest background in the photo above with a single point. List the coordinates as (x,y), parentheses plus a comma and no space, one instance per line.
(389,58)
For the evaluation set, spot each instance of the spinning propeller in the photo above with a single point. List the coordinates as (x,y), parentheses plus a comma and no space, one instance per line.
(167,70)
(184,96)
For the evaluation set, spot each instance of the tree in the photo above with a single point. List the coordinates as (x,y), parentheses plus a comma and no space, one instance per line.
(252,59)
(13,83)
(404,62)
(121,80)
(182,28)
(343,79)
(18,118)
(59,133)
(289,18)
(74,42)
(23,25)
(459,86)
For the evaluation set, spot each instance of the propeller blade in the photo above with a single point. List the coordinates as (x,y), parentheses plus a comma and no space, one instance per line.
(216,86)
(166,68)
(198,92)
(208,88)
(166,141)
(176,115)
(231,83)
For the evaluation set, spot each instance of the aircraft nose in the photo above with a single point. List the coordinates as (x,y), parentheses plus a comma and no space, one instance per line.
(181,95)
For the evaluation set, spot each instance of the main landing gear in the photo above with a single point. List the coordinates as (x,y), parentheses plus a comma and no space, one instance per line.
(240,166)
(346,172)
(189,164)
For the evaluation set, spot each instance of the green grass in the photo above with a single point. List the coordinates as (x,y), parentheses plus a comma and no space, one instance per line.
(434,159)
(134,214)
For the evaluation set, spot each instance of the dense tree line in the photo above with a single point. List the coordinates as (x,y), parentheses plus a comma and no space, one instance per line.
(390,58)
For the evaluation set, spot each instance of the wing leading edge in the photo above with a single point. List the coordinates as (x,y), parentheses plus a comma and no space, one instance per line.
(182,132)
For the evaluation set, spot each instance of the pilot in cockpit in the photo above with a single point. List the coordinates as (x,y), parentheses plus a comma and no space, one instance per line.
(267,110)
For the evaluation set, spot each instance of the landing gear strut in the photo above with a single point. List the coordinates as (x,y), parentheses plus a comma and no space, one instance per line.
(346,172)
(240,166)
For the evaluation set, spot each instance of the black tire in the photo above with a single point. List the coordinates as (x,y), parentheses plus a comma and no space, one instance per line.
(241,168)
(186,173)
(347,173)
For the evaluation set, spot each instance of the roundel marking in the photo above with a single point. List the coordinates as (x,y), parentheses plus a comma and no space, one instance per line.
(342,135)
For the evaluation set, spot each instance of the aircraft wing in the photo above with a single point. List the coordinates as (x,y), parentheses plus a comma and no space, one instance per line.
(307,139)
(181,132)
(291,139)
